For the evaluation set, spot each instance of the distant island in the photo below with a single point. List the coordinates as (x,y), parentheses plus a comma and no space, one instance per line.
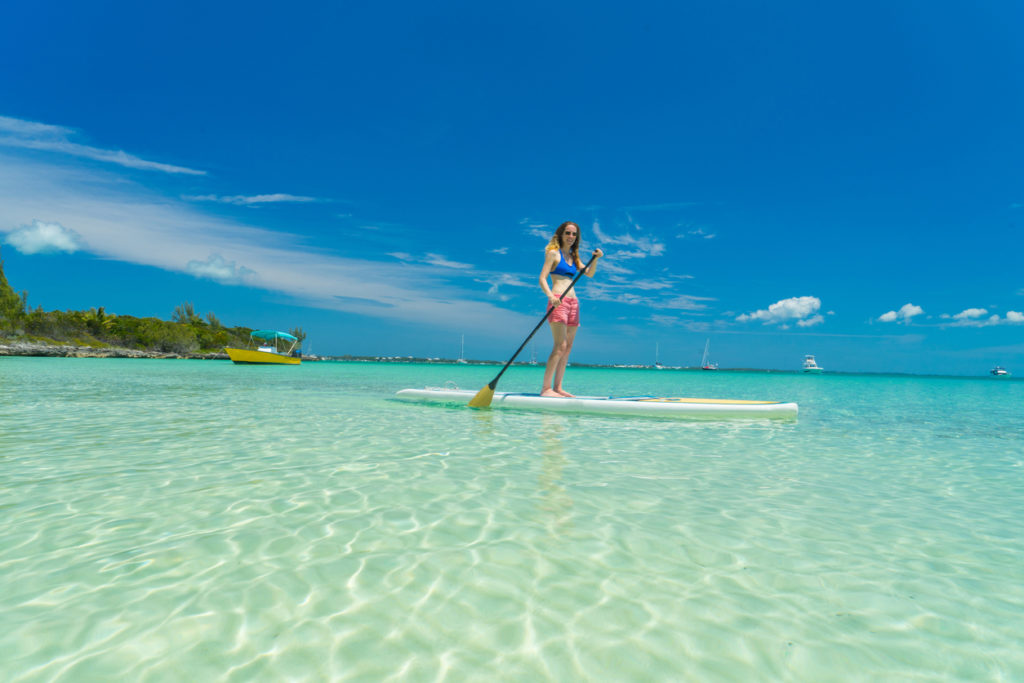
(96,333)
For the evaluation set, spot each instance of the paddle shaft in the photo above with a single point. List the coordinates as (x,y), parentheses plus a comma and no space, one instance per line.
(494,382)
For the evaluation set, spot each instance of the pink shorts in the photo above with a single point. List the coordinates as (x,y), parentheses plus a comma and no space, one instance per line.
(568,312)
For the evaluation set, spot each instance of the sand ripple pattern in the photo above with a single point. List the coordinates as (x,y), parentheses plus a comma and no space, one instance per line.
(185,521)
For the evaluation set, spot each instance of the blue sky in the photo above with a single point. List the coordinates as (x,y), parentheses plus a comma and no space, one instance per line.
(779,178)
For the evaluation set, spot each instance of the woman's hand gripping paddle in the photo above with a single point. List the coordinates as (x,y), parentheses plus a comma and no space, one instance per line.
(484,397)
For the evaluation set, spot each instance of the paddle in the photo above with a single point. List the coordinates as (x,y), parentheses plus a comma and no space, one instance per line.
(484,396)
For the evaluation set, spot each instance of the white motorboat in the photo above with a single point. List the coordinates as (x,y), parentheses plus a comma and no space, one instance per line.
(811,365)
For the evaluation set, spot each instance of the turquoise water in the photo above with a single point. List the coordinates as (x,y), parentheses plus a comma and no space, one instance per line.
(193,520)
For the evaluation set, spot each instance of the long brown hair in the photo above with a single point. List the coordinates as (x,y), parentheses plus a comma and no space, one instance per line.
(556,242)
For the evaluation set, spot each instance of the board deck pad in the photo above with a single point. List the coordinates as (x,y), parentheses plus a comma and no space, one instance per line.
(637,406)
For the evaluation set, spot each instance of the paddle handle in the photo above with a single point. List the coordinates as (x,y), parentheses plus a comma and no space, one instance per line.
(494,382)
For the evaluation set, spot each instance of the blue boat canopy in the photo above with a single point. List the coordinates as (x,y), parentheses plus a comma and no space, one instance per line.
(272,334)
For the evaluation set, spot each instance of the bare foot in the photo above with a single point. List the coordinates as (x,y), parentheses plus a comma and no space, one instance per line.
(551,392)
(563,392)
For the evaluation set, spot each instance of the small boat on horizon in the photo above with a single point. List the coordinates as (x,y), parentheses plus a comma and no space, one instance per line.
(267,347)
(462,352)
(811,365)
(705,363)
(998,371)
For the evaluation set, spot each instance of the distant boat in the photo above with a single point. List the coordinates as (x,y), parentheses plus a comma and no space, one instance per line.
(268,347)
(810,365)
(533,354)
(705,362)
(657,364)
(462,351)
(999,372)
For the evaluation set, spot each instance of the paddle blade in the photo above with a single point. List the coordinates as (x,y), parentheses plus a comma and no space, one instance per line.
(483,398)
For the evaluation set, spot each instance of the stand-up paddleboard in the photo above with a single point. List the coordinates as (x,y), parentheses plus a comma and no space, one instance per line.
(640,406)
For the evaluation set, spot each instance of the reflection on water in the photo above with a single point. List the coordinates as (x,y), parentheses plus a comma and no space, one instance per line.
(555,501)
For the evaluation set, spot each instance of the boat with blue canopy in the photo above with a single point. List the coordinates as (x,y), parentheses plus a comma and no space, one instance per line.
(268,347)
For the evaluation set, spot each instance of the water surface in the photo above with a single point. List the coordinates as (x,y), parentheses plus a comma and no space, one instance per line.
(174,520)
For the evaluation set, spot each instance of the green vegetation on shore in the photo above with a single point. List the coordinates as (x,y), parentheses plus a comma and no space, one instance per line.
(186,332)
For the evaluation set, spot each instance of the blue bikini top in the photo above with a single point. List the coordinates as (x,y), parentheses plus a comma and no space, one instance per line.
(564,268)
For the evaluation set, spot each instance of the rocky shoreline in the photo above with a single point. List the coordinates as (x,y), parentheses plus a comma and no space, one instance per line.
(22,348)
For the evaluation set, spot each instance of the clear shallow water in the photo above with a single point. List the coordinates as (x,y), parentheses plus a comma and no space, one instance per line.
(192,520)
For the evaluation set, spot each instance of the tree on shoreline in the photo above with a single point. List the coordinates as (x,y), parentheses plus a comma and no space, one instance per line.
(12,305)
(186,332)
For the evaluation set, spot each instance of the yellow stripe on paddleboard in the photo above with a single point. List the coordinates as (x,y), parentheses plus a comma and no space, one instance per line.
(723,401)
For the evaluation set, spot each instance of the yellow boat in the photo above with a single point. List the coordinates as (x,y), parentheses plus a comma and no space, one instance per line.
(267,349)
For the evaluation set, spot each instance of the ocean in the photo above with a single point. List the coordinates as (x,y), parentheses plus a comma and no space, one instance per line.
(169,520)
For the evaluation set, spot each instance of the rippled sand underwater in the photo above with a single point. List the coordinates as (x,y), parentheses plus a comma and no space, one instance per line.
(193,520)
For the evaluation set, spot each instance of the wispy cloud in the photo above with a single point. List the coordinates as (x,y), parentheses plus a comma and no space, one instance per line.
(250,200)
(903,315)
(444,262)
(120,220)
(699,233)
(641,246)
(430,260)
(599,291)
(46,137)
(44,238)
(506,280)
(640,284)
(801,310)
(664,206)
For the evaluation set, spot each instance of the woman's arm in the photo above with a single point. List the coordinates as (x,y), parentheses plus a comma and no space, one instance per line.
(593,264)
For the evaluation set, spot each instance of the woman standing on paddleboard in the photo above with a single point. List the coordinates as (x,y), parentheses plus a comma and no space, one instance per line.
(562,263)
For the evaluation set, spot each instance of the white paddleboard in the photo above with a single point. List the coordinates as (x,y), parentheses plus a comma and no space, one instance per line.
(640,406)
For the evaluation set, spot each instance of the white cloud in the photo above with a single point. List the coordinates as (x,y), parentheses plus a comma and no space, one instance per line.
(803,310)
(500,250)
(810,322)
(252,200)
(904,315)
(976,317)
(44,238)
(42,136)
(970,314)
(217,268)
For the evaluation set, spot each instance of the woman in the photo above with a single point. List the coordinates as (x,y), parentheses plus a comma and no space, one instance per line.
(562,263)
